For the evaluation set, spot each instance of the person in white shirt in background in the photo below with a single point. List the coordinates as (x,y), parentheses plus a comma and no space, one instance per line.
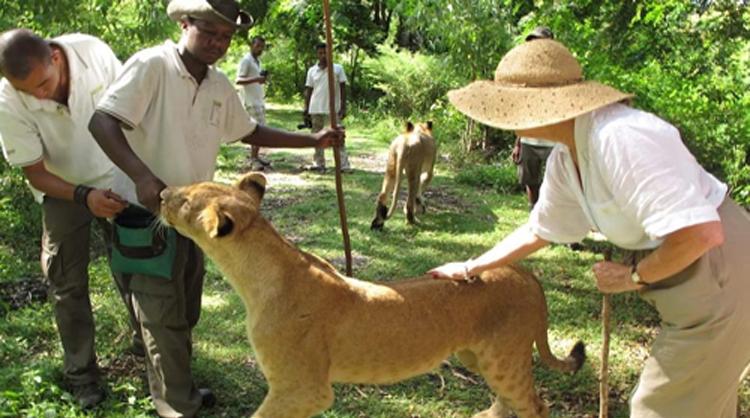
(252,77)
(317,104)
(47,97)
(627,173)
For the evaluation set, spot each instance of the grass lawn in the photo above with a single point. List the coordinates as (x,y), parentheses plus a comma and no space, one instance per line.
(461,222)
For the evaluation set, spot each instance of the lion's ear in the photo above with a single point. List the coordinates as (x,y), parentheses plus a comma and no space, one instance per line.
(409,126)
(253,184)
(216,222)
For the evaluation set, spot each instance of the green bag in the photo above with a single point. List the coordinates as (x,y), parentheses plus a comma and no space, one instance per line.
(140,246)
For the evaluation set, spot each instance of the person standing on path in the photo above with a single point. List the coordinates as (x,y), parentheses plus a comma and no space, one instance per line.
(317,104)
(252,78)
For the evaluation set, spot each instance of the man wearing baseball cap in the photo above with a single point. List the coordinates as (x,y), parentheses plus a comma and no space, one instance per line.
(178,109)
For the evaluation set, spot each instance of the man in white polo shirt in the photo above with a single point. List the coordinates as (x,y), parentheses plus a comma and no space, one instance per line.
(252,77)
(178,110)
(46,100)
(317,103)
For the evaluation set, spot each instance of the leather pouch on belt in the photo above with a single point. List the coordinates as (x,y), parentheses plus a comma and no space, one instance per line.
(140,245)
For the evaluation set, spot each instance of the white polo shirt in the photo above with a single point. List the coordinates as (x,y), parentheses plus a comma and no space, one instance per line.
(252,94)
(317,79)
(638,182)
(177,125)
(33,130)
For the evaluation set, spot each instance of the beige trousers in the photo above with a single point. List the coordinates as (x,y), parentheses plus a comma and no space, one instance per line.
(66,242)
(703,350)
(319,122)
(167,310)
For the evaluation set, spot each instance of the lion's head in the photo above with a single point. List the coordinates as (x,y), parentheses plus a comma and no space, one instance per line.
(210,211)
(420,127)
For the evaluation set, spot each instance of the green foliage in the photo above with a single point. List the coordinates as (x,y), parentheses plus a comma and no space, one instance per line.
(127,26)
(686,61)
(410,82)
(20,226)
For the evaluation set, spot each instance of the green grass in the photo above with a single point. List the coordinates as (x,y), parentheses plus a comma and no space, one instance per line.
(462,221)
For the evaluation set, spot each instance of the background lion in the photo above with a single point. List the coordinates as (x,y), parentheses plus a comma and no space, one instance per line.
(310,326)
(412,153)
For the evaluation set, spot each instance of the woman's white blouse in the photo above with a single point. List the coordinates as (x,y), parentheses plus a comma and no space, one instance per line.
(638,182)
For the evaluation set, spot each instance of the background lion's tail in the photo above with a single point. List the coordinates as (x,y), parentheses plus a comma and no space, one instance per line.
(397,185)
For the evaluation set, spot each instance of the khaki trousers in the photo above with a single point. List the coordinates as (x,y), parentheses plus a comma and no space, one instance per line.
(66,241)
(319,122)
(703,350)
(167,310)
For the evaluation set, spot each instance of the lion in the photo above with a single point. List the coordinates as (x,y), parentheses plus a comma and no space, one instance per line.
(310,326)
(412,152)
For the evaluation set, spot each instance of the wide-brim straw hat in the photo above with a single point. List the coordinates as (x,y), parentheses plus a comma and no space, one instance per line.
(225,12)
(537,83)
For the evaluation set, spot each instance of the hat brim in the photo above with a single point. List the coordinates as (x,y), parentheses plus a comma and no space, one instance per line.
(514,108)
(177,11)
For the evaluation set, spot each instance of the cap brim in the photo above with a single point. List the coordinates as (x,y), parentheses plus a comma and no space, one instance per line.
(177,12)
(513,108)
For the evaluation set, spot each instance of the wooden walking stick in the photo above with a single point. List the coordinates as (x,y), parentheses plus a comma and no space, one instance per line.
(604,374)
(334,124)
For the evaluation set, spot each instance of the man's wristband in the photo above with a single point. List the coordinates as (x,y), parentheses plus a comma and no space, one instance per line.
(81,194)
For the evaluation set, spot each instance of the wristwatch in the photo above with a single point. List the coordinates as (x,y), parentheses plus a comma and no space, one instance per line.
(636,278)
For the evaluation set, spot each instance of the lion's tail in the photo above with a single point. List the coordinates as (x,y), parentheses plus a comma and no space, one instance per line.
(397,185)
(570,364)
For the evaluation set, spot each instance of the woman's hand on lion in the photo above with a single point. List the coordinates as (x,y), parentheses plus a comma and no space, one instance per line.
(454,271)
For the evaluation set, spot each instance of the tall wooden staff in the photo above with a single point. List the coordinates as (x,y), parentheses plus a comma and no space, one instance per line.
(334,124)
(606,331)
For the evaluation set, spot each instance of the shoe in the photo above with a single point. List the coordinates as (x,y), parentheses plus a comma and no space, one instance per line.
(347,170)
(208,399)
(257,165)
(316,168)
(88,395)
(263,161)
(575,246)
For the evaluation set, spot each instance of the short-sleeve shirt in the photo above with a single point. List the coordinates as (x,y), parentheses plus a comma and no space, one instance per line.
(173,124)
(33,130)
(317,79)
(252,94)
(638,182)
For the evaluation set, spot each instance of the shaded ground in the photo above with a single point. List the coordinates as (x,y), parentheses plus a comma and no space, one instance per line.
(16,294)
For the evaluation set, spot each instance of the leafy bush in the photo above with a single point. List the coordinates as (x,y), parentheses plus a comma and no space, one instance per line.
(20,226)
(411,82)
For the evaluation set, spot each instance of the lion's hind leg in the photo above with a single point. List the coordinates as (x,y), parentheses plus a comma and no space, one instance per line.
(508,373)
(303,400)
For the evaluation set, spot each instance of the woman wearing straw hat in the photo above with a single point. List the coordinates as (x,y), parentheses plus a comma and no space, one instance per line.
(627,173)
